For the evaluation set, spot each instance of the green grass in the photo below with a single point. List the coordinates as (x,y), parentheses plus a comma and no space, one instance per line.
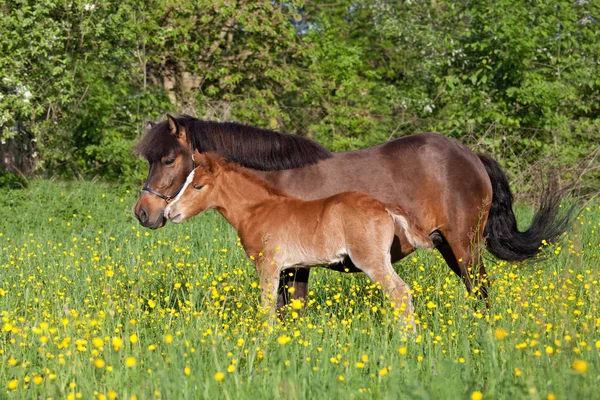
(76,271)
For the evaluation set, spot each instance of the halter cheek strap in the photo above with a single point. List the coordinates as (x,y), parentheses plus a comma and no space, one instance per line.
(162,196)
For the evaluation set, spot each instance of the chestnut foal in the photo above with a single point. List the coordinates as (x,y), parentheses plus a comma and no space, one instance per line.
(279,231)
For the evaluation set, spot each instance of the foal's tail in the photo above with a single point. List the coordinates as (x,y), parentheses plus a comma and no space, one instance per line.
(504,240)
(408,225)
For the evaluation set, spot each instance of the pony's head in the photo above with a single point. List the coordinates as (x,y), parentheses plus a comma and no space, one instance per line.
(198,193)
(168,146)
(169,156)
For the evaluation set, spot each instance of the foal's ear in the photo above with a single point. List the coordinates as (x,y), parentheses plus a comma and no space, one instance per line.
(150,124)
(213,163)
(176,129)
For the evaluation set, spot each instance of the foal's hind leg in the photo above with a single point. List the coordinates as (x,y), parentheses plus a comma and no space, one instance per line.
(379,269)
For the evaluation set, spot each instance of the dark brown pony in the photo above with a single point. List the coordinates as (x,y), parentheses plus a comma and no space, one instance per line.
(460,198)
(281,232)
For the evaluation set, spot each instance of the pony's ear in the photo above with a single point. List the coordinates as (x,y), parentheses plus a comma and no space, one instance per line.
(176,129)
(150,124)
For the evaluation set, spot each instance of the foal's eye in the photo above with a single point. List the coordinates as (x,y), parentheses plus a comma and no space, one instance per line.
(169,161)
(198,187)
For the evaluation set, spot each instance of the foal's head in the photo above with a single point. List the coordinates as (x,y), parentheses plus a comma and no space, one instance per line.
(198,193)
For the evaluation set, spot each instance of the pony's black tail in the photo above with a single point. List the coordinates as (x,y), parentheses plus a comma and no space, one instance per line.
(503,238)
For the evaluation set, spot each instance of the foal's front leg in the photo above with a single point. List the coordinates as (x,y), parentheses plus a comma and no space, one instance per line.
(268,274)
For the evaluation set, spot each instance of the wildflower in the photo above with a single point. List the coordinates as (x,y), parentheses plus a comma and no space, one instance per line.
(383,372)
(13,384)
(580,366)
(117,342)
(477,395)
(133,338)
(219,376)
(500,334)
(187,370)
(99,363)
(130,362)
(168,338)
(402,350)
(296,304)
(284,339)
(38,379)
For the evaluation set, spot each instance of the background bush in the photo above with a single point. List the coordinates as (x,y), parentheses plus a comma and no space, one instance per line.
(519,80)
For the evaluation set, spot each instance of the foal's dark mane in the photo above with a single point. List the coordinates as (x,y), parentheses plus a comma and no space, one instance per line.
(251,147)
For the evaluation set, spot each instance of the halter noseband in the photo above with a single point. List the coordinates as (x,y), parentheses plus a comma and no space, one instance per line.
(162,196)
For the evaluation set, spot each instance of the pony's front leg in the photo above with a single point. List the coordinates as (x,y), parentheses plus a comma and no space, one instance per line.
(293,284)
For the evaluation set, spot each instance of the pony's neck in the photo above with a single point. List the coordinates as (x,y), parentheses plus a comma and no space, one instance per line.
(252,147)
(238,193)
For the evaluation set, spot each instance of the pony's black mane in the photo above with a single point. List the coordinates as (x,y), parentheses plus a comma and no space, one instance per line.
(249,146)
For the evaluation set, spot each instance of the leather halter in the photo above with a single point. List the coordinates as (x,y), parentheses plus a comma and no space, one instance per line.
(164,197)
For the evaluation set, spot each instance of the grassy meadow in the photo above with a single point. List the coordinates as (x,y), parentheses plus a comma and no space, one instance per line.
(94,306)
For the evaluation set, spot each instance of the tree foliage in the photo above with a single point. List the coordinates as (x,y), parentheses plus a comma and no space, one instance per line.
(79,79)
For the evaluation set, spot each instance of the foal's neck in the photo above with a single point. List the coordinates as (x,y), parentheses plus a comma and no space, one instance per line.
(239,192)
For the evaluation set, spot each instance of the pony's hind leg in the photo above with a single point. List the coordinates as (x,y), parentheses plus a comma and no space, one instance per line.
(463,255)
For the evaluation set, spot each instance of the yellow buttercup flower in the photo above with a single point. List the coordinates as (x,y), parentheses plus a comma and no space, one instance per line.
(117,342)
(500,334)
(580,366)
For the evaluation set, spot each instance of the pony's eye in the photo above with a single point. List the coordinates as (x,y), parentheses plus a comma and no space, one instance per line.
(169,161)
(198,187)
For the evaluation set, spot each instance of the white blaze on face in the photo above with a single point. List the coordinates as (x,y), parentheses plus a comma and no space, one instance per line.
(188,180)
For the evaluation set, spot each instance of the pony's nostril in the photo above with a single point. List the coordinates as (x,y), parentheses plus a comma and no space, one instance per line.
(143,216)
